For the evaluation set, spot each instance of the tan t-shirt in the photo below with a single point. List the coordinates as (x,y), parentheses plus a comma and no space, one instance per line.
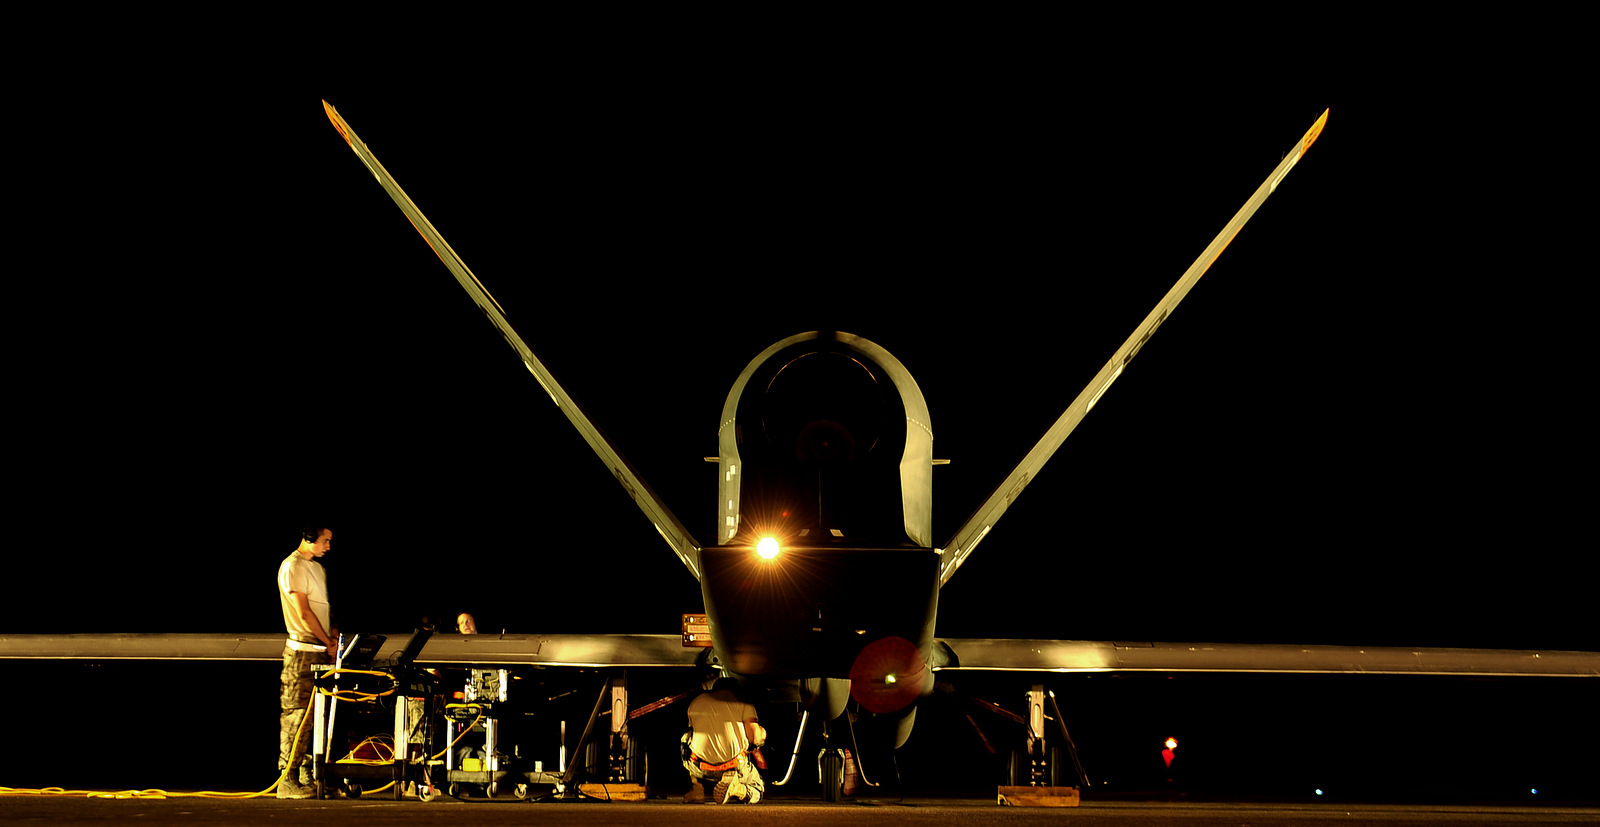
(297,574)
(717,719)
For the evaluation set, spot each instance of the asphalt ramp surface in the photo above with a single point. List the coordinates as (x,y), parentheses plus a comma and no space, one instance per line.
(58,810)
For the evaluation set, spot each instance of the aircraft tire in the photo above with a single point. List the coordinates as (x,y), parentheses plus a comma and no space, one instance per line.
(597,759)
(637,762)
(832,765)
(1017,768)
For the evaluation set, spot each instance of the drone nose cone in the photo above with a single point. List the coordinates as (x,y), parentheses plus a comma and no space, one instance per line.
(888,675)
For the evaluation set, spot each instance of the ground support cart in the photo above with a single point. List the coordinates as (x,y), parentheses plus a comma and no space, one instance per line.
(372,701)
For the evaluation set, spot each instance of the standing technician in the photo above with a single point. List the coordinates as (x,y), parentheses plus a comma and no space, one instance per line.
(303,595)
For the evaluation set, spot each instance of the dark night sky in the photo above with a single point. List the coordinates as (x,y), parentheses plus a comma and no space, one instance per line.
(1356,429)
(1362,426)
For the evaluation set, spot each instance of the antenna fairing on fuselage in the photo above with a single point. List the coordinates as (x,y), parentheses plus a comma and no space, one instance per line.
(825,440)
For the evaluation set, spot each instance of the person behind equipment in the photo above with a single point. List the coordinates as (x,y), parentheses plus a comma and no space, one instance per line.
(722,731)
(303,597)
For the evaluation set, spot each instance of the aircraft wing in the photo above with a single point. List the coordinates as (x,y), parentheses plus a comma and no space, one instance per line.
(978,525)
(667,524)
(440,650)
(1102,656)
(969,654)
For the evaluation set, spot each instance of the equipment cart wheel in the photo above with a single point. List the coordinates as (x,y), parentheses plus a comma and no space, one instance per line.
(427,792)
(520,791)
(352,789)
(455,790)
(493,789)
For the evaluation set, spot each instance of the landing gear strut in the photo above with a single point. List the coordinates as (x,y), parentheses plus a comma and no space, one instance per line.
(1035,763)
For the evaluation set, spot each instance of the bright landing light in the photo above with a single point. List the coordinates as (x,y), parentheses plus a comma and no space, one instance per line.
(767,548)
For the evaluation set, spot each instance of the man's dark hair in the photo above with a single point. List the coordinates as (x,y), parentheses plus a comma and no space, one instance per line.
(311,531)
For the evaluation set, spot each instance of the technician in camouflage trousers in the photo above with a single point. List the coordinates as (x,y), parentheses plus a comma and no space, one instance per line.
(717,748)
(303,596)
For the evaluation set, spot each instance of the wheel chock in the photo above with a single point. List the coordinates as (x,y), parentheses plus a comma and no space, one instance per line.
(1038,797)
(613,792)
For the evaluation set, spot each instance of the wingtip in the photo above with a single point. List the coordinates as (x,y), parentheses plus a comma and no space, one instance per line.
(338,122)
(1315,131)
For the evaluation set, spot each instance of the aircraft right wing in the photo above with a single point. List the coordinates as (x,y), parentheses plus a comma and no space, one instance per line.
(667,524)
(978,525)
(969,654)
(440,650)
(1005,655)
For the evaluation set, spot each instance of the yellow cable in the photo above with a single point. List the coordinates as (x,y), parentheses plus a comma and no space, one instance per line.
(379,747)
(353,695)
(464,730)
(153,794)
(159,794)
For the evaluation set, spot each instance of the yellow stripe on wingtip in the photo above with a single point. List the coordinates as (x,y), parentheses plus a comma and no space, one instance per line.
(338,122)
(1313,132)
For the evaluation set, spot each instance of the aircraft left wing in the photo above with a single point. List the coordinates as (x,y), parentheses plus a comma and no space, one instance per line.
(1012,655)
(440,650)
(967,654)
(666,523)
(978,525)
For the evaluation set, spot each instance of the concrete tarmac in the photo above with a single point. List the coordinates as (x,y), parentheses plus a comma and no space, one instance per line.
(778,813)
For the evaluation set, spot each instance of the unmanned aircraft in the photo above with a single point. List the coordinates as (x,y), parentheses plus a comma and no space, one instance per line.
(821,583)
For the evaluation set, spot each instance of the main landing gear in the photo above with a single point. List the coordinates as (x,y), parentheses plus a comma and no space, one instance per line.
(838,764)
(1036,771)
